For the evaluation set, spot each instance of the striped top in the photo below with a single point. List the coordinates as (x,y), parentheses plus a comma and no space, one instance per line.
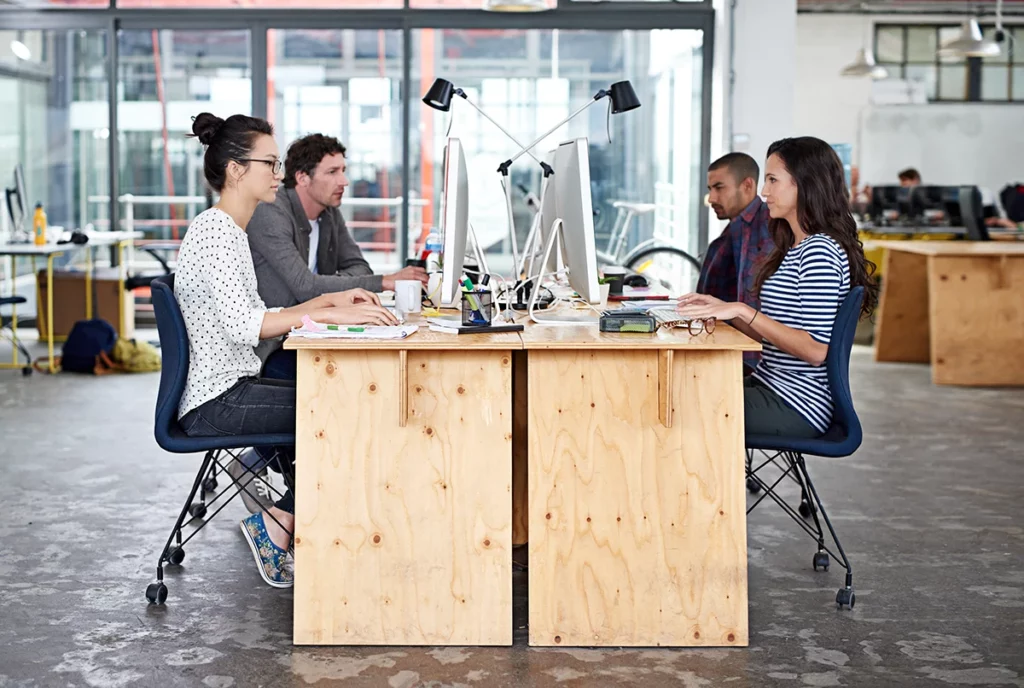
(805,294)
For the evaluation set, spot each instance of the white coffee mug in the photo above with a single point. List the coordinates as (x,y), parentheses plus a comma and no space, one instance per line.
(408,297)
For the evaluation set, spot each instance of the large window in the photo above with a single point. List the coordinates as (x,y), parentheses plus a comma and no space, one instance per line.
(348,84)
(912,53)
(530,80)
(165,78)
(53,95)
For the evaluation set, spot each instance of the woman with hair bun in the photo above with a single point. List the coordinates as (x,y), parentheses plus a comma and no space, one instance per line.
(215,286)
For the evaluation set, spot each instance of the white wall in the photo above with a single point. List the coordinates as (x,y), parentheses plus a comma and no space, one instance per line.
(764,62)
(958,143)
(981,144)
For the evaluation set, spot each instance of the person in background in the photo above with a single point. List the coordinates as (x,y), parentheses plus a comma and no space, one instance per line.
(910,177)
(815,261)
(215,286)
(300,245)
(730,264)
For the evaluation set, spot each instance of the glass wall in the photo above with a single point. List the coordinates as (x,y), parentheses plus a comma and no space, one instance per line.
(530,80)
(164,79)
(55,124)
(348,84)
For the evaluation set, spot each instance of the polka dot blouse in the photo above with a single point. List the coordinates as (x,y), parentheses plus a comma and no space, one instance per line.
(215,285)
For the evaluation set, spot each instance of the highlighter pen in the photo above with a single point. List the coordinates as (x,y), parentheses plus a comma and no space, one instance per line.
(336,328)
(467,284)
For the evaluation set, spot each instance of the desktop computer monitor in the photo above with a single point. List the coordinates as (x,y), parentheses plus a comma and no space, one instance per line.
(972,213)
(890,203)
(16,203)
(574,209)
(454,221)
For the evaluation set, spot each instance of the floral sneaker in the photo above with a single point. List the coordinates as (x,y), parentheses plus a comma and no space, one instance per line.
(273,562)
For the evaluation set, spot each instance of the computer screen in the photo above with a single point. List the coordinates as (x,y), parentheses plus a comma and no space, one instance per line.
(454,221)
(16,203)
(575,210)
(890,203)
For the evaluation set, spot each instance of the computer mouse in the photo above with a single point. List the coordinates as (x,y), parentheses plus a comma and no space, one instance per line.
(636,280)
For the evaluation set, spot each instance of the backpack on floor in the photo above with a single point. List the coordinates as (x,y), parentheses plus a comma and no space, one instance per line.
(133,356)
(88,347)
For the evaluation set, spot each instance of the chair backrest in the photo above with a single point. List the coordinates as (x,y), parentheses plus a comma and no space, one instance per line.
(837,366)
(174,356)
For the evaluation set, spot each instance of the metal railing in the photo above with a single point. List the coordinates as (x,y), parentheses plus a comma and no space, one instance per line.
(388,228)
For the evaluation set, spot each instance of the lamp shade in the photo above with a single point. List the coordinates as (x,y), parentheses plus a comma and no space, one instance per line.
(623,97)
(864,65)
(515,5)
(440,94)
(970,43)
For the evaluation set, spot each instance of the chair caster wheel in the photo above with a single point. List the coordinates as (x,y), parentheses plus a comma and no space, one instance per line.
(197,510)
(26,371)
(156,593)
(805,508)
(176,556)
(845,598)
(752,486)
(821,559)
(210,485)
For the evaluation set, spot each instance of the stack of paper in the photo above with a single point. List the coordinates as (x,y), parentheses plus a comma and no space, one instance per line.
(314,330)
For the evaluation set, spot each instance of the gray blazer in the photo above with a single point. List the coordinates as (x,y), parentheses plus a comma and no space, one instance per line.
(279,241)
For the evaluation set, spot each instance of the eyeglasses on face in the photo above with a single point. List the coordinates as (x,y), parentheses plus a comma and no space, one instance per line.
(275,165)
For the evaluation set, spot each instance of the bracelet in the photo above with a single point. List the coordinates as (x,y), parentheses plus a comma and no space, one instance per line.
(754,318)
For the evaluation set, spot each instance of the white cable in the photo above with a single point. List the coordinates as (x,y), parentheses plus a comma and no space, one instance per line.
(556,228)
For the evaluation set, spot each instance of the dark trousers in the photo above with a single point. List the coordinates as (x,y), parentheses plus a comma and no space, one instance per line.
(281,365)
(765,413)
(252,406)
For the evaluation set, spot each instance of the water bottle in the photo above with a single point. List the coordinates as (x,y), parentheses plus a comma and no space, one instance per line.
(39,225)
(432,251)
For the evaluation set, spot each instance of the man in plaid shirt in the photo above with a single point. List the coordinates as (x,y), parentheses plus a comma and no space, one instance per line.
(732,260)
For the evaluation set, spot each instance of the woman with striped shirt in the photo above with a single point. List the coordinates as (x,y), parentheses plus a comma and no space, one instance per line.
(816,260)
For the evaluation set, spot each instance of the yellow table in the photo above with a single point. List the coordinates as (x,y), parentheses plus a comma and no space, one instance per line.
(414,458)
(51,252)
(958,305)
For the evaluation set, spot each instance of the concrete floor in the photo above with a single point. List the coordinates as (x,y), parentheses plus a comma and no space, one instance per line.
(930,510)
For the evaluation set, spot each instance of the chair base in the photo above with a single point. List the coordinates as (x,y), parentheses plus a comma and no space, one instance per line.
(792,465)
(173,553)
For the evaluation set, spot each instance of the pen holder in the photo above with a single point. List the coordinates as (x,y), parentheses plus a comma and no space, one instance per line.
(477,307)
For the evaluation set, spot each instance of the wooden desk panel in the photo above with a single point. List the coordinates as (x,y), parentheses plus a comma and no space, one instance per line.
(403,532)
(637,530)
(724,338)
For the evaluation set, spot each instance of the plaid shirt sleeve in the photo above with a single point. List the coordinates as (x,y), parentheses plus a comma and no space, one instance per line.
(718,272)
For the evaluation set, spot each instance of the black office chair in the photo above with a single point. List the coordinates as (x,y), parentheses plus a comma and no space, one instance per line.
(841,439)
(169,435)
(13,336)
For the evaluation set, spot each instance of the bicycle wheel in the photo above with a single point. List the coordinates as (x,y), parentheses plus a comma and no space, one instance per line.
(668,267)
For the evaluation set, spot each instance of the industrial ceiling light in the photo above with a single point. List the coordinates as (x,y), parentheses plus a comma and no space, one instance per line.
(864,65)
(970,43)
(515,5)
(20,50)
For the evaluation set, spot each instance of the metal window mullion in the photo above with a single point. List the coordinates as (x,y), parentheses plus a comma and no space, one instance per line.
(258,68)
(113,149)
(407,88)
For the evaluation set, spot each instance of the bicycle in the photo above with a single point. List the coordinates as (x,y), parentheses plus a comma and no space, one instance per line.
(659,260)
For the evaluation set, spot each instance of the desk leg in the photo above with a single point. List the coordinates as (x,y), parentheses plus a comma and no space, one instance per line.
(637,530)
(902,331)
(49,310)
(14,324)
(122,275)
(88,282)
(403,534)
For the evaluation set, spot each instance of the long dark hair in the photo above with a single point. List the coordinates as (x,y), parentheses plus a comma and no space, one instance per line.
(823,206)
(226,140)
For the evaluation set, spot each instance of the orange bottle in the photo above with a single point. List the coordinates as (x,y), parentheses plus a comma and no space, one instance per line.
(39,225)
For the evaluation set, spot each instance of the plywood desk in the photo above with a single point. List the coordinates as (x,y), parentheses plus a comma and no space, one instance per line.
(414,459)
(403,520)
(637,513)
(958,305)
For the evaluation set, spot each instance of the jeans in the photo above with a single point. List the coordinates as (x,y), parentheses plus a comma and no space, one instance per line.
(252,406)
(281,365)
(765,413)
